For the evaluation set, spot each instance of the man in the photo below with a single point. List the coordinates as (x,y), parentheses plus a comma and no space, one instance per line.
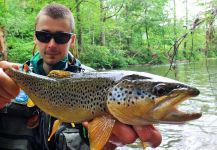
(54,35)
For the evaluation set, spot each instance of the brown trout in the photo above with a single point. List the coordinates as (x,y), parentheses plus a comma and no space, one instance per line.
(133,98)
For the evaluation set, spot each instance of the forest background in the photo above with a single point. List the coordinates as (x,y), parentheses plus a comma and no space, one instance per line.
(118,33)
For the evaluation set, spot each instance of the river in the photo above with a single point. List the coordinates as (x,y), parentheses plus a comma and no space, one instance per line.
(199,134)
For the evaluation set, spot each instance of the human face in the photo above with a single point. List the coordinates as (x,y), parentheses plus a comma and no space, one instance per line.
(53,52)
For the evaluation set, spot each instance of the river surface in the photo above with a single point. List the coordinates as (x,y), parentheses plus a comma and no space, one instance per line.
(199,134)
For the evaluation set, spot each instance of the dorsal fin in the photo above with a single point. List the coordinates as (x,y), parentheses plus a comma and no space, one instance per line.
(59,74)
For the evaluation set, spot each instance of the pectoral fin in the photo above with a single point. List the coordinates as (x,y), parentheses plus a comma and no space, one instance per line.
(55,127)
(99,131)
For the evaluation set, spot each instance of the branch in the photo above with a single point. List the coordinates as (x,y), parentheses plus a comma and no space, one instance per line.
(178,42)
(105,18)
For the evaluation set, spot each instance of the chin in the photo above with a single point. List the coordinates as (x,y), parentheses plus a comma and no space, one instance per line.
(51,62)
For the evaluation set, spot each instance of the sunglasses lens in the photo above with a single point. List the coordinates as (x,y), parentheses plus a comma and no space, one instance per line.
(62,38)
(59,37)
(42,36)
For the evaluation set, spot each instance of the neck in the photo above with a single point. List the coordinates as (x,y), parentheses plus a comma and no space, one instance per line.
(47,68)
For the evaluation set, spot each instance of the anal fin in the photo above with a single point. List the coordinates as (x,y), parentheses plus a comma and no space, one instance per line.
(99,131)
(55,127)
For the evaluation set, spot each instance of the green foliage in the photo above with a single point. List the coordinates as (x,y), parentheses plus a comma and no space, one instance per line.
(19,50)
(97,57)
(101,57)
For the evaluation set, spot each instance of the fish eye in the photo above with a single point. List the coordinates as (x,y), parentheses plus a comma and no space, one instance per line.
(159,89)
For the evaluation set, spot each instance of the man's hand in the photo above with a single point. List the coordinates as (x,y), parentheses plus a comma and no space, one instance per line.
(125,134)
(8,88)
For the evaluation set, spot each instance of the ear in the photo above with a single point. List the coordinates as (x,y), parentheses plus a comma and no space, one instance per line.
(72,44)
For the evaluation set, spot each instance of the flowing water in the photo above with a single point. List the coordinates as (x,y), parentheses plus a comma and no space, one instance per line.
(200,134)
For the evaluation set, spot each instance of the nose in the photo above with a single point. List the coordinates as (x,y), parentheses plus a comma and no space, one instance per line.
(52,43)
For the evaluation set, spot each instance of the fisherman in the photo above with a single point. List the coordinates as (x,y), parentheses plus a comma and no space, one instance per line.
(28,128)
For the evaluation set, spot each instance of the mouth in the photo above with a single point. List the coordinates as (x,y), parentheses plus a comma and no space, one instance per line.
(51,53)
(165,109)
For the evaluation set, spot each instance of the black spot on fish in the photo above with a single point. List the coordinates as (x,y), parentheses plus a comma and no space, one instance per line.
(121,88)
(118,95)
(149,95)
(110,94)
(130,92)
(118,103)
(138,93)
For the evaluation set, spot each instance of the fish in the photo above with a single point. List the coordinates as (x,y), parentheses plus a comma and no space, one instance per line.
(102,98)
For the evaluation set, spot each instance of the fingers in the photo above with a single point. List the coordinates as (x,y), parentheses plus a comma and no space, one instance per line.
(8,88)
(3,101)
(5,65)
(124,133)
(109,146)
(85,124)
(149,134)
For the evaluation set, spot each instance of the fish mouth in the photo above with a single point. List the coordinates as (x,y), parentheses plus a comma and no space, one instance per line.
(165,109)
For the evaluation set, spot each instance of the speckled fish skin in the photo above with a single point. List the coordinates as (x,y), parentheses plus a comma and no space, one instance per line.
(83,96)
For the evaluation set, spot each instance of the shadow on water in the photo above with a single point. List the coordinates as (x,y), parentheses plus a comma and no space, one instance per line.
(200,134)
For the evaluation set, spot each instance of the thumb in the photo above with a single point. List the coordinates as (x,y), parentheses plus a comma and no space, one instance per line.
(16,66)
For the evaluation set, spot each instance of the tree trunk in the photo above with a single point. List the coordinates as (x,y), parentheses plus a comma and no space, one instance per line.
(79,27)
(146,30)
(102,19)
(3,51)
(129,37)
(174,30)
(186,22)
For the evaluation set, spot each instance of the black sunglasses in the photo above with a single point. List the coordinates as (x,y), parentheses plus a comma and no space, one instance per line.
(59,37)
